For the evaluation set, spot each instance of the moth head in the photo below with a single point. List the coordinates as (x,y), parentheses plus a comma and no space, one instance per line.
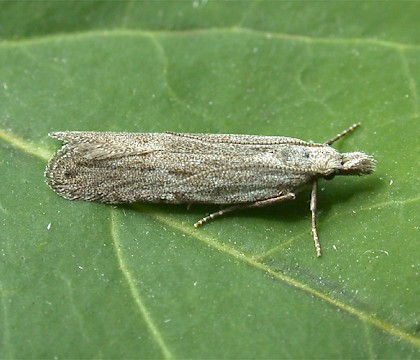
(356,163)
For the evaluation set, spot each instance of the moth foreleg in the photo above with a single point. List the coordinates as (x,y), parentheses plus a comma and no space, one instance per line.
(260,203)
(313,211)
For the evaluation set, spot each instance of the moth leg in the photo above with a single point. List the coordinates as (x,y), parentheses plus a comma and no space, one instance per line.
(313,210)
(260,203)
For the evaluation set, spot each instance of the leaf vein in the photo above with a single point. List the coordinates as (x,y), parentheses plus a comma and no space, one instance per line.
(360,314)
(135,292)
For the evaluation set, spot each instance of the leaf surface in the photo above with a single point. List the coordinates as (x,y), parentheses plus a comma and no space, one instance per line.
(86,280)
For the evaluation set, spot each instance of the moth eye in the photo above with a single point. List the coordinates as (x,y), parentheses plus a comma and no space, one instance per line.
(69,174)
(329,176)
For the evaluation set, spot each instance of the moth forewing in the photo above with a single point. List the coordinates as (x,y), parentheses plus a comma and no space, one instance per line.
(179,168)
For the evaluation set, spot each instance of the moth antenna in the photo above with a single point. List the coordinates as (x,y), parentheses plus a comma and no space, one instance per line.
(340,135)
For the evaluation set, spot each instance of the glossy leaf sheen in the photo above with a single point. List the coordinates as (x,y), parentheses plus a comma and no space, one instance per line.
(83,280)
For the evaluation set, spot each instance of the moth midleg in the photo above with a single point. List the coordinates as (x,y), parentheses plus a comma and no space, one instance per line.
(260,203)
(313,211)
(343,133)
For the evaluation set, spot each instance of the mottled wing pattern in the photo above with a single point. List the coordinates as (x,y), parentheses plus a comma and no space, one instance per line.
(179,168)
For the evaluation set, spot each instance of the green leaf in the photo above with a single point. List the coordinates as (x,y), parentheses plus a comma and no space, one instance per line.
(87,280)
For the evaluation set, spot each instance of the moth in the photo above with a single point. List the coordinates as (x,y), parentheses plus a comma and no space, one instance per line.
(244,171)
